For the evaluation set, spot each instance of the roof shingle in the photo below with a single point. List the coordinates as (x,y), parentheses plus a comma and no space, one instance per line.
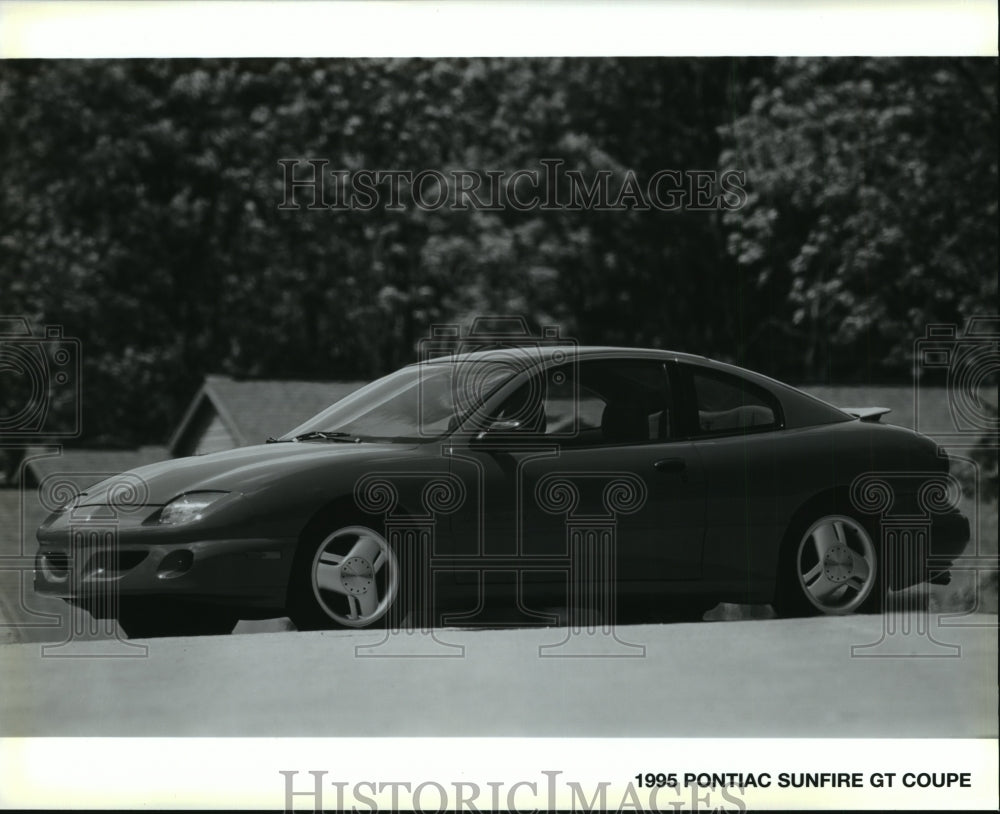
(254,410)
(85,467)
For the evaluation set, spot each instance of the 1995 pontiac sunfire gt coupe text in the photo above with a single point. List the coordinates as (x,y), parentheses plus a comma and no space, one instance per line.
(678,479)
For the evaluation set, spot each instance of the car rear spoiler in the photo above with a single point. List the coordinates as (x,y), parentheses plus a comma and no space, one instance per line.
(870,414)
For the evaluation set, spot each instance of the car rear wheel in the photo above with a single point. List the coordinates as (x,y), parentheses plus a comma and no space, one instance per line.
(349,577)
(150,618)
(832,568)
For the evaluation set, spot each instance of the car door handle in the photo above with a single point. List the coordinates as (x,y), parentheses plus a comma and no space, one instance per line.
(670,465)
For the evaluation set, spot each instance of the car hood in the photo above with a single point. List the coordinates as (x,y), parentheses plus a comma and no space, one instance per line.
(239,470)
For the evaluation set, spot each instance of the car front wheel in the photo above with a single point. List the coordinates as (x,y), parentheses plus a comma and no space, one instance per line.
(833,568)
(349,577)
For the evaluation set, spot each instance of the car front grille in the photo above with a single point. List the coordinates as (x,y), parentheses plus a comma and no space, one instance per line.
(100,565)
(113,563)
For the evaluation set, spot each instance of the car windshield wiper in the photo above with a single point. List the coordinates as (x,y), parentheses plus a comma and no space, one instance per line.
(322,435)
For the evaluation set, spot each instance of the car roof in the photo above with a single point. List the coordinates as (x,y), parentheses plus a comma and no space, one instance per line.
(801,409)
(545,352)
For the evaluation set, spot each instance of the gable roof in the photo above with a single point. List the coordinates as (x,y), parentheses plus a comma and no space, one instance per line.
(253,410)
(84,467)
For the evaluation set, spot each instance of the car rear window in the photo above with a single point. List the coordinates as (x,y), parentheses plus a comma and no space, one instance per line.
(728,404)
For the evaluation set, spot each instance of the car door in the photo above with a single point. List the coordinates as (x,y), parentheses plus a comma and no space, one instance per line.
(604,460)
(735,425)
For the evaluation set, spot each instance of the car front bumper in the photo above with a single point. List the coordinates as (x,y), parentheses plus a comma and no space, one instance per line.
(88,561)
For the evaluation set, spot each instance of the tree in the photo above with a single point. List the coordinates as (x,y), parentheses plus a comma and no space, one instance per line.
(872,208)
(139,209)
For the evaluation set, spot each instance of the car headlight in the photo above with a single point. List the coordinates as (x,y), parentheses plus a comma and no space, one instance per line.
(188,507)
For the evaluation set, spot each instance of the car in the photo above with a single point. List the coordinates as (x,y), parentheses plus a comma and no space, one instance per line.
(549,476)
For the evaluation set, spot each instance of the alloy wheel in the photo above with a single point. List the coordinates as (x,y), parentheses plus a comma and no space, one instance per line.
(836,564)
(355,576)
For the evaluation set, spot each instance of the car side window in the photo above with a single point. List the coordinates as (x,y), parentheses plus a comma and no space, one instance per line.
(635,399)
(727,404)
(572,409)
(596,402)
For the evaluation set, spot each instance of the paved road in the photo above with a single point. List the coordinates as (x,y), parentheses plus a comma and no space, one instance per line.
(741,678)
(788,678)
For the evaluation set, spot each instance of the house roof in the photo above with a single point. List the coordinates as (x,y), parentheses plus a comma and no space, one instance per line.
(253,410)
(84,467)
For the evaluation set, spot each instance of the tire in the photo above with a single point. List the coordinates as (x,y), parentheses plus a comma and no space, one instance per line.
(345,578)
(151,618)
(830,566)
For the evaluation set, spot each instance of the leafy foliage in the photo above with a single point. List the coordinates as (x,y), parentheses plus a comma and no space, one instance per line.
(139,209)
(872,206)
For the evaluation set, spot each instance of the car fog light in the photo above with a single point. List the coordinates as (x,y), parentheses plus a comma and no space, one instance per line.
(175,564)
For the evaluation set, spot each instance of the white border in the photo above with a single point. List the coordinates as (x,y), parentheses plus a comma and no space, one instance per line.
(354,28)
(245,772)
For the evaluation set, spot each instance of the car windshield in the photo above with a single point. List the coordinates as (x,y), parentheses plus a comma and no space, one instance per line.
(417,403)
